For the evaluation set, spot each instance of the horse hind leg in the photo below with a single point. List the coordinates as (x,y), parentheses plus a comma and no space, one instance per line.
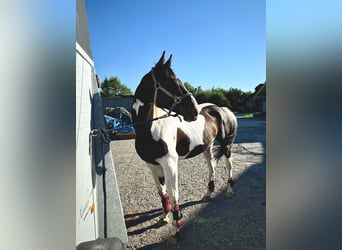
(230,183)
(159,179)
(212,162)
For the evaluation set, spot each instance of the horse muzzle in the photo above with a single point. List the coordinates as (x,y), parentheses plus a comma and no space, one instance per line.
(191,117)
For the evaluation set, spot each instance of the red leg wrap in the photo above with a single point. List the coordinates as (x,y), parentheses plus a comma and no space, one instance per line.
(166,204)
(177,216)
(211,186)
(179,223)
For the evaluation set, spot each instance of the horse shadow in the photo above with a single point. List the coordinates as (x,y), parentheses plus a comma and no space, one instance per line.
(221,223)
(133,220)
(140,218)
(236,223)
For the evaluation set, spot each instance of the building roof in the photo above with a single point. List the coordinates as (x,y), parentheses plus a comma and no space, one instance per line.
(260,91)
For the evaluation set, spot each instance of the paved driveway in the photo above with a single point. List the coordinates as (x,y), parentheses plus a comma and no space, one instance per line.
(237,223)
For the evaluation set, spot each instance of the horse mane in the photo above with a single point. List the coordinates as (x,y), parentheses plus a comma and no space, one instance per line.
(171,74)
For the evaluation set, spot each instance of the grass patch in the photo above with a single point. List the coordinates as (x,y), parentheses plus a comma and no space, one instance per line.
(250,115)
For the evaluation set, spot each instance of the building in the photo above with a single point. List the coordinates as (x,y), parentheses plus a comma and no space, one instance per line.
(119,101)
(257,102)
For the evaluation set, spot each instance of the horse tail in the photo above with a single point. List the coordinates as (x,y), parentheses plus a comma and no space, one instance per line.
(226,132)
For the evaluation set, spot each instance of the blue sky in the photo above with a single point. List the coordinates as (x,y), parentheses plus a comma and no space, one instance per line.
(213,43)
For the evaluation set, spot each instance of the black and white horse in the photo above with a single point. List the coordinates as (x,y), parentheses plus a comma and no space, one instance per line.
(170,125)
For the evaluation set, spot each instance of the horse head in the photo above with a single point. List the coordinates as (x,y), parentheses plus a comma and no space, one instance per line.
(165,90)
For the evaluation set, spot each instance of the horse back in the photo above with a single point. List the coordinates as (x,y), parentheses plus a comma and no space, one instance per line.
(223,120)
(213,123)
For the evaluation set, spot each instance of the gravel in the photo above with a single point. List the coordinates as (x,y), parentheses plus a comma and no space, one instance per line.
(221,223)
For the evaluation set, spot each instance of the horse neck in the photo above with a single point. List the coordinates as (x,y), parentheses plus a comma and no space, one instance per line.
(144,100)
(149,111)
(144,104)
(141,110)
(145,90)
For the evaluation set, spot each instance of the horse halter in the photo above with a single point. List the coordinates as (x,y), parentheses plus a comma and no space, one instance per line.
(176,99)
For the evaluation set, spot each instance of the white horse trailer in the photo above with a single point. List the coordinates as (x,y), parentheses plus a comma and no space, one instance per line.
(99,215)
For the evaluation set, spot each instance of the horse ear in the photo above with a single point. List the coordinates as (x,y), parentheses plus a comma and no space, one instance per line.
(168,62)
(161,60)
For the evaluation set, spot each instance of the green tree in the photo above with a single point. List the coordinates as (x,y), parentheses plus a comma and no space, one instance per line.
(189,87)
(113,87)
(218,97)
(202,96)
(238,98)
(234,98)
(194,90)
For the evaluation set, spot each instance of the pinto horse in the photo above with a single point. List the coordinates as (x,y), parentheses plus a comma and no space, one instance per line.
(170,125)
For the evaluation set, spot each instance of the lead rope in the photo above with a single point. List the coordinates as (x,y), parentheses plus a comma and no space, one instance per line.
(142,122)
(157,86)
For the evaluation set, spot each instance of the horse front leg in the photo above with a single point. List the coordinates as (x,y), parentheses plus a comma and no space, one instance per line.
(159,179)
(171,179)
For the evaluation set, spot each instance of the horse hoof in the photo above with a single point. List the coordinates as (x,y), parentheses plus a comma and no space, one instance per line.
(171,240)
(165,220)
(206,198)
(229,195)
